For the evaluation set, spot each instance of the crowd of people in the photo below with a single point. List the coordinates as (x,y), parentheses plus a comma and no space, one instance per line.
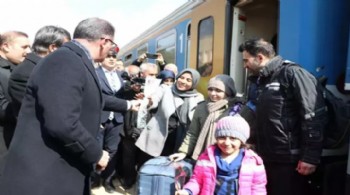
(74,118)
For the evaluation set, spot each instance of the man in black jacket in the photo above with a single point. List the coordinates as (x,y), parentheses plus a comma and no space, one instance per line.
(47,40)
(55,140)
(14,47)
(290,128)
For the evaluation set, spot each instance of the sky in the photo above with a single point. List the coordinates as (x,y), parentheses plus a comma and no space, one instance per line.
(129,17)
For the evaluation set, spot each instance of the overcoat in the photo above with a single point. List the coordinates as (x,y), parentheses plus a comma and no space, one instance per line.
(54,147)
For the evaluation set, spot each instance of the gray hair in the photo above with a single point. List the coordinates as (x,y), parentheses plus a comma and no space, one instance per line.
(93,29)
(48,35)
(144,67)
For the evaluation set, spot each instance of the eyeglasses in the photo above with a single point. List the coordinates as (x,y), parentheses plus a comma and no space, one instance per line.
(116,48)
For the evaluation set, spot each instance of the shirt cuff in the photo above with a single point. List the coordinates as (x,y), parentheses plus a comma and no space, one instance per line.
(128,105)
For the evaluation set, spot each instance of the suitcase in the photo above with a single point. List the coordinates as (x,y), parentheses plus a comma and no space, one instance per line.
(158,176)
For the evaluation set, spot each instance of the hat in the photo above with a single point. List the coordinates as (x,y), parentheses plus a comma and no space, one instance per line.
(233,126)
(224,83)
(165,74)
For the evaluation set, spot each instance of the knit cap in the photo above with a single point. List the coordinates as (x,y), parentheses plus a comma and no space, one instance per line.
(233,126)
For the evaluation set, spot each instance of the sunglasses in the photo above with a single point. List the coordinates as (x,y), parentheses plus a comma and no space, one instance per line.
(112,56)
(116,48)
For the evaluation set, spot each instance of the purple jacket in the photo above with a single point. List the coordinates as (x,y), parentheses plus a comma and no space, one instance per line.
(251,181)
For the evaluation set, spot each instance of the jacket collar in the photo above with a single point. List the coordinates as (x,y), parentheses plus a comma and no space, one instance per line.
(81,51)
(6,64)
(33,58)
(271,66)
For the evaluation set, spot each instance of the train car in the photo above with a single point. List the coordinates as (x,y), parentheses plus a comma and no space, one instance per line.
(205,35)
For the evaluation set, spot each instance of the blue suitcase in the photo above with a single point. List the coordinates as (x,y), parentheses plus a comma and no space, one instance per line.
(158,176)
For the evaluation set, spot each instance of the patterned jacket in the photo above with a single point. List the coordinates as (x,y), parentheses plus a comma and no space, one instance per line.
(251,180)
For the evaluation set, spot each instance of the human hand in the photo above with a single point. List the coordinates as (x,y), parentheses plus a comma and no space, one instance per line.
(136,87)
(103,162)
(304,168)
(182,192)
(135,105)
(177,157)
(150,102)
(139,96)
(160,59)
(142,57)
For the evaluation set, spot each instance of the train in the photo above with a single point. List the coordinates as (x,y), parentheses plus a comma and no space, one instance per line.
(205,35)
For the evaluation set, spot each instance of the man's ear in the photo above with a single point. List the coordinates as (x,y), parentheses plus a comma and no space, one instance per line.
(5,47)
(260,57)
(52,48)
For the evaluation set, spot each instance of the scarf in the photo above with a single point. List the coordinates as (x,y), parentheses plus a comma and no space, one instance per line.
(206,136)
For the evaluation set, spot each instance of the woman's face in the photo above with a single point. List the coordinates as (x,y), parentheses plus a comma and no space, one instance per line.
(216,94)
(184,82)
(168,81)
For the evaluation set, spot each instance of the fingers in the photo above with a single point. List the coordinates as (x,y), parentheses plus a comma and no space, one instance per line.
(177,157)
(304,168)
(102,163)
(142,57)
(135,105)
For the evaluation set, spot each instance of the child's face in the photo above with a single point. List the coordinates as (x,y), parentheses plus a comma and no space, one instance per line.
(228,145)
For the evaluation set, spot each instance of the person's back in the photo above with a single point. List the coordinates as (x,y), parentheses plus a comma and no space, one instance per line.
(55,138)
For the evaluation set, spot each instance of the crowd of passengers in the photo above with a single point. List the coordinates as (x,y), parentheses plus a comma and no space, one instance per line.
(178,121)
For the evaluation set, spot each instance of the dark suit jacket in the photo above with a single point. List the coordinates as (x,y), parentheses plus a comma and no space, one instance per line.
(55,147)
(107,90)
(19,78)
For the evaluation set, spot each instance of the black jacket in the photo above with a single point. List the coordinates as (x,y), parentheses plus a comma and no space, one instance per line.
(55,137)
(287,128)
(19,78)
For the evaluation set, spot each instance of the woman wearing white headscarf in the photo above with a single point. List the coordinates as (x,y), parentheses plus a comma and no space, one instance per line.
(176,105)
(222,101)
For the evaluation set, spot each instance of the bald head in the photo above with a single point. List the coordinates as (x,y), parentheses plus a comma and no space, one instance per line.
(133,70)
(171,67)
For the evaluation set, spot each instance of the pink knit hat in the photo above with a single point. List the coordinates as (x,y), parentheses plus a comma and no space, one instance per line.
(233,126)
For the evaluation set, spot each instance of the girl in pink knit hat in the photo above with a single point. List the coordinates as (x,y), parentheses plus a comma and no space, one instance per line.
(228,167)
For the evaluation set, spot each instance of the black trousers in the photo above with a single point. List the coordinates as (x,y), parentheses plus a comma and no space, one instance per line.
(132,159)
(111,139)
(283,179)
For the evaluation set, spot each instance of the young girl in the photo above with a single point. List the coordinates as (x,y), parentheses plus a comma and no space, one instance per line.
(228,167)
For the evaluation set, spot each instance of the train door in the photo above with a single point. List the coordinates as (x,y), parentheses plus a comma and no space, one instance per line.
(251,19)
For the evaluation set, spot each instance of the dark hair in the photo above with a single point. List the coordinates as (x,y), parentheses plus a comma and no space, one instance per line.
(256,46)
(93,29)
(48,35)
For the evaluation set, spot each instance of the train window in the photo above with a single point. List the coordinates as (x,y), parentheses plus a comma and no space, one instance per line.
(205,46)
(128,59)
(142,49)
(166,46)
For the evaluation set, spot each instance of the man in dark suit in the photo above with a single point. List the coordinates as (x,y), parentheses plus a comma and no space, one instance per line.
(55,140)
(14,46)
(112,122)
(47,40)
